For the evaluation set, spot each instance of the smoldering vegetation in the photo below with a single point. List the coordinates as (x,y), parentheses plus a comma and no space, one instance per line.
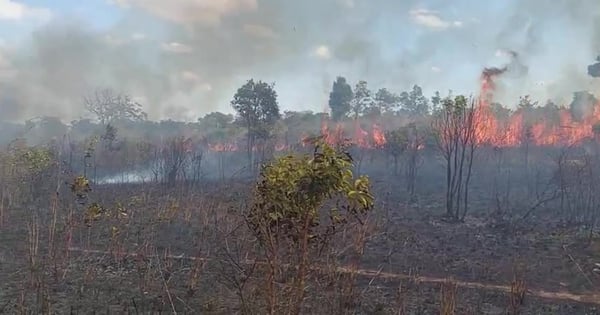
(477,208)
(485,204)
(182,64)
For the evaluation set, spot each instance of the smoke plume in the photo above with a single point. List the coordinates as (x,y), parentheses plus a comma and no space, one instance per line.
(594,69)
(185,58)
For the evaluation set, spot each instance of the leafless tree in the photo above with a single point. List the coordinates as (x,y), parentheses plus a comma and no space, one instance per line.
(455,126)
(108,106)
(577,179)
(171,160)
(415,142)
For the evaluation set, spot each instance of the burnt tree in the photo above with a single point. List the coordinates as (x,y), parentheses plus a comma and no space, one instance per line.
(455,126)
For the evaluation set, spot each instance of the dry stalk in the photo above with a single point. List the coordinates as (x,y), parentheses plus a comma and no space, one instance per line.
(518,290)
(400,301)
(164,281)
(34,244)
(448,298)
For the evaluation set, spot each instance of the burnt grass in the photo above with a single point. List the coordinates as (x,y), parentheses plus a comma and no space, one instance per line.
(142,262)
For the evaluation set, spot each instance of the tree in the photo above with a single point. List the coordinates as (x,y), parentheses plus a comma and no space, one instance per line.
(500,111)
(362,100)
(109,137)
(257,107)
(416,140)
(340,98)
(406,141)
(436,101)
(42,129)
(387,101)
(216,120)
(109,106)
(455,127)
(171,160)
(291,214)
(414,102)
(526,103)
(395,145)
(582,105)
(551,112)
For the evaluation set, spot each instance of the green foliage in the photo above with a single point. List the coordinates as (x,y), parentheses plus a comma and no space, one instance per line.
(80,187)
(93,213)
(36,159)
(436,101)
(396,141)
(216,120)
(256,105)
(362,101)
(293,191)
(28,161)
(340,98)
(387,101)
(414,102)
(218,127)
(456,106)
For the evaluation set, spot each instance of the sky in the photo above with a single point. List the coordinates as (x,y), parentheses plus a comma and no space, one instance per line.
(182,59)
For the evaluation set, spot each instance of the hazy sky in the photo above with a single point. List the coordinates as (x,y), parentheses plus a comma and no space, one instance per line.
(184,58)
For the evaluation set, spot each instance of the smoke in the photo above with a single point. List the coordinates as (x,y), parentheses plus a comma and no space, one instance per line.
(190,66)
(556,68)
(186,58)
(594,69)
(489,76)
(491,73)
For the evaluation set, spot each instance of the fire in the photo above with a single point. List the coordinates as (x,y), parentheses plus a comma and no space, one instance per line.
(223,147)
(360,135)
(378,136)
(516,131)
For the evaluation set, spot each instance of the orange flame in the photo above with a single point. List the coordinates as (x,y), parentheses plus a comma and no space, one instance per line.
(223,147)
(378,136)
(514,132)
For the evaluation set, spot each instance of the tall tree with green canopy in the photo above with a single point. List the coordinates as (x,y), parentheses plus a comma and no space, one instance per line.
(256,105)
(340,98)
(414,102)
(436,101)
(363,99)
(387,101)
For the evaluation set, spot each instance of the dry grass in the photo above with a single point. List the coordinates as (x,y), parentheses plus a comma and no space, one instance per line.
(518,290)
(448,297)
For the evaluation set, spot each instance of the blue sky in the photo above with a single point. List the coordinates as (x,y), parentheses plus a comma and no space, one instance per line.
(185,58)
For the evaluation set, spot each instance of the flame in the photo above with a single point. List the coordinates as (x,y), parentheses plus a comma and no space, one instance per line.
(223,147)
(516,131)
(378,136)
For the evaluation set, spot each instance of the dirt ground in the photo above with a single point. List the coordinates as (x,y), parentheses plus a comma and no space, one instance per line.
(411,253)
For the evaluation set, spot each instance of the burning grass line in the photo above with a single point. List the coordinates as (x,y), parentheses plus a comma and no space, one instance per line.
(556,295)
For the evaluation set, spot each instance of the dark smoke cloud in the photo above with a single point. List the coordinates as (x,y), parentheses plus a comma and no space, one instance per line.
(179,65)
(594,69)
(580,19)
(515,67)
(192,68)
(492,72)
